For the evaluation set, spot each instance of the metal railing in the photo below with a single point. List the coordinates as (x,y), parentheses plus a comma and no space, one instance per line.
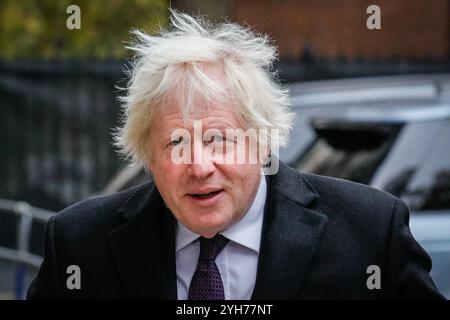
(21,254)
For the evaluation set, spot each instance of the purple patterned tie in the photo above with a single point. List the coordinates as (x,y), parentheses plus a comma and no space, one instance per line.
(206,284)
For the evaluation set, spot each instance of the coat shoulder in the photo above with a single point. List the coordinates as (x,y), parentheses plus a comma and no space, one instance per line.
(347,192)
(96,215)
(354,204)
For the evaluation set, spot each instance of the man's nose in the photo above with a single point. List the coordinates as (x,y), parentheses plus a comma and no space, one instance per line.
(202,165)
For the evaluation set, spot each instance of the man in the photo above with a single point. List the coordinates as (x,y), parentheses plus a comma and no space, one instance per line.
(211,225)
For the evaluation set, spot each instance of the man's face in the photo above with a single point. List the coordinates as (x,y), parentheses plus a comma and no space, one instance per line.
(206,197)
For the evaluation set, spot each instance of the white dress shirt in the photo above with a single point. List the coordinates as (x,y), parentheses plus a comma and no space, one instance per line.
(237,262)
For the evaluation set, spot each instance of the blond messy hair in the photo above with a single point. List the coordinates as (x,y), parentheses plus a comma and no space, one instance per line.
(173,65)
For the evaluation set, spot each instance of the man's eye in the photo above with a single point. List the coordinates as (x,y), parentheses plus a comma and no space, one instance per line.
(216,138)
(176,141)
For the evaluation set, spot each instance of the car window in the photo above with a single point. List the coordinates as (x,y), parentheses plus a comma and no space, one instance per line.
(409,152)
(429,188)
(411,162)
(348,150)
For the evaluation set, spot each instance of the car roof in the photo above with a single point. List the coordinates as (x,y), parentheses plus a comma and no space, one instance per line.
(393,112)
(370,89)
(376,99)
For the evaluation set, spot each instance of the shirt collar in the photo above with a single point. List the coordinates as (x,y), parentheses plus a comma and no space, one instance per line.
(246,232)
(184,236)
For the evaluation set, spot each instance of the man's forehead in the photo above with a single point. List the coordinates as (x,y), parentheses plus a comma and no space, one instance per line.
(219,114)
(198,110)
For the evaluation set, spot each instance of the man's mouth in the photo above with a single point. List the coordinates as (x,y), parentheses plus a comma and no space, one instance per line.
(205,195)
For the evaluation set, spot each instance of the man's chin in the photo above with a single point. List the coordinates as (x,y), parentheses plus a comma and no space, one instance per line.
(209,229)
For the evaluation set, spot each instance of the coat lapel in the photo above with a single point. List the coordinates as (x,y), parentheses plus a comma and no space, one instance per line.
(290,236)
(143,248)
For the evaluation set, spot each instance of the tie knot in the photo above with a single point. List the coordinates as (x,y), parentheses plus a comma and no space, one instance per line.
(210,248)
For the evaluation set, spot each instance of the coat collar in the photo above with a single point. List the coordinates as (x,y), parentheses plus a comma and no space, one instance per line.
(143,248)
